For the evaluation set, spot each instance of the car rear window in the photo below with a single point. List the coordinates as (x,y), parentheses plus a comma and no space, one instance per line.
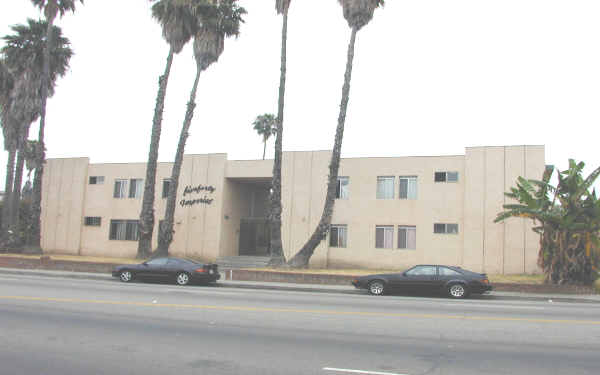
(445,271)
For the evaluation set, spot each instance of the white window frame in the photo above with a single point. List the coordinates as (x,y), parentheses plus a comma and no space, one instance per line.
(342,191)
(385,194)
(407,229)
(122,192)
(449,228)
(411,187)
(139,188)
(447,178)
(342,235)
(388,236)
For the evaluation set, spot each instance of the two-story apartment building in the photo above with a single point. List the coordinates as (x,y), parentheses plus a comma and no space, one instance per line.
(390,213)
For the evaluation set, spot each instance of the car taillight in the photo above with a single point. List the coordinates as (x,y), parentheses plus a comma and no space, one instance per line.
(201,270)
(485,281)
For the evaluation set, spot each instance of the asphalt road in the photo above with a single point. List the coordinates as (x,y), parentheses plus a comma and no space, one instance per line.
(64,326)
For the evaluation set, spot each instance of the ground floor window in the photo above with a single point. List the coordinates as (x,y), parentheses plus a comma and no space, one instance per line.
(338,236)
(407,237)
(384,237)
(123,230)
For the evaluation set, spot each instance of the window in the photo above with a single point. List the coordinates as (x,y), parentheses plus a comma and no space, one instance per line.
(407,237)
(384,237)
(338,236)
(422,271)
(123,230)
(93,221)
(136,187)
(445,228)
(446,177)
(341,190)
(385,187)
(96,180)
(166,187)
(445,271)
(408,187)
(120,189)
(158,262)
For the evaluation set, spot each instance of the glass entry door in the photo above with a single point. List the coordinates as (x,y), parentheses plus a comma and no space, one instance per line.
(254,237)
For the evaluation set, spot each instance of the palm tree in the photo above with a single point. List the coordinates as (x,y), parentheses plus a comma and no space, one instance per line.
(265,126)
(567,218)
(51,9)
(357,13)
(10,138)
(218,19)
(178,26)
(276,207)
(24,55)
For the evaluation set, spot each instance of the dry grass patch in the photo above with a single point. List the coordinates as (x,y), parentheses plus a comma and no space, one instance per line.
(75,258)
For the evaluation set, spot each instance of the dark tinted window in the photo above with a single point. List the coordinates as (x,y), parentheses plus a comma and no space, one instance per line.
(158,262)
(440,176)
(422,271)
(445,271)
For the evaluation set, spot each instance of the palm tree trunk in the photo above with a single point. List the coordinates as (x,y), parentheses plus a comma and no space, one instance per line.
(301,259)
(15,201)
(264,148)
(146,224)
(10,178)
(276,246)
(165,234)
(36,207)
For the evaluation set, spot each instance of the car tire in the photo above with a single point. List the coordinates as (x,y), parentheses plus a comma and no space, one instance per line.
(182,278)
(126,276)
(457,291)
(377,287)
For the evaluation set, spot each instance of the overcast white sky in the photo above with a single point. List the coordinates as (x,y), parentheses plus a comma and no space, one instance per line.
(431,77)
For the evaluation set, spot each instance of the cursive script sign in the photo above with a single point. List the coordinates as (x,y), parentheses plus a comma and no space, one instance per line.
(196,190)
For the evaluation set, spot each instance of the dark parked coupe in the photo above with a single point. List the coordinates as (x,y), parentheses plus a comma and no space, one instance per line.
(422,279)
(181,271)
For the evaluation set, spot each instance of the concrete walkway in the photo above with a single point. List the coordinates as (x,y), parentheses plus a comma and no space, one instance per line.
(338,289)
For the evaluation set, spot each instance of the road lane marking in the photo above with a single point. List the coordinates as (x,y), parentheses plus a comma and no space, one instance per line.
(300,311)
(359,371)
(498,306)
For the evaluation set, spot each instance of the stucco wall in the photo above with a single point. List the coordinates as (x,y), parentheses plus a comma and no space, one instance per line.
(211,230)
(62,205)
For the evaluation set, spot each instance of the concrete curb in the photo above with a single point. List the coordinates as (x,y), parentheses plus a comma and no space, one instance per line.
(312,288)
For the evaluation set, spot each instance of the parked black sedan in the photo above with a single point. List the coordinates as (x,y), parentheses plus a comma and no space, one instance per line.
(181,271)
(422,279)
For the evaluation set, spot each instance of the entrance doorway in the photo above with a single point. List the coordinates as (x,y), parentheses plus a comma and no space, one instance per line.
(255,237)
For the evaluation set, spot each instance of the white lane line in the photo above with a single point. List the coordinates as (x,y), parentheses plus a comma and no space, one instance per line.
(499,306)
(359,371)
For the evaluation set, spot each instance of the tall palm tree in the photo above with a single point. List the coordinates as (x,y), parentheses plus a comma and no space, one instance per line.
(51,9)
(276,207)
(218,19)
(265,126)
(178,26)
(10,138)
(357,13)
(24,56)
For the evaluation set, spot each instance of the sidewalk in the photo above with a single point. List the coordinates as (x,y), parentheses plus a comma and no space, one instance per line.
(313,288)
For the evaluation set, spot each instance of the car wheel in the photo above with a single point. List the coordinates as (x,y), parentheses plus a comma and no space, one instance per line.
(126,276)
(376,287)
(457,291)
(182,278)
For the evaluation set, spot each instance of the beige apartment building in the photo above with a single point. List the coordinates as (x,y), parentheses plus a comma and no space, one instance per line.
(390,212)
